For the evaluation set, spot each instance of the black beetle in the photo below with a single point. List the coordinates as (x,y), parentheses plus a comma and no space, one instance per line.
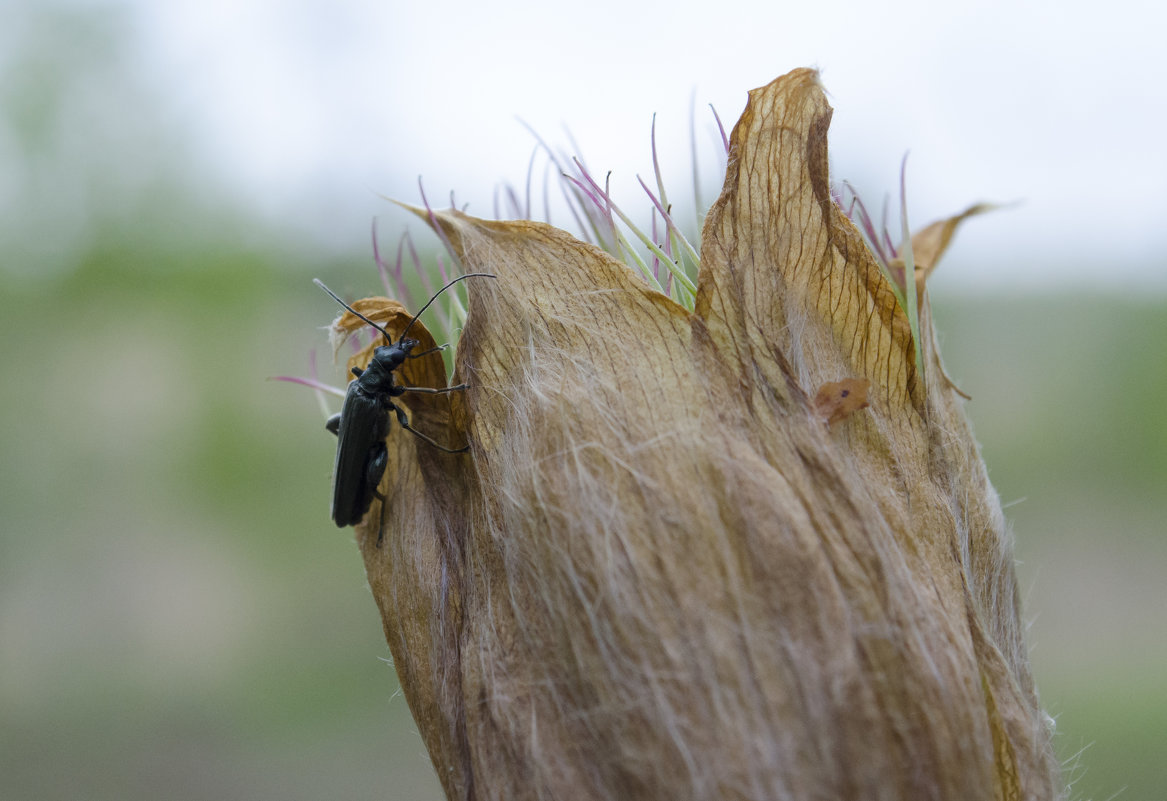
(363,421)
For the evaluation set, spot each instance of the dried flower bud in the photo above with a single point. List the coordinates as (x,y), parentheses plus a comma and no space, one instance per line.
(658,573)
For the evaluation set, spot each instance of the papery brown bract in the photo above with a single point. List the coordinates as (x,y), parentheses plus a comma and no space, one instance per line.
(659,574)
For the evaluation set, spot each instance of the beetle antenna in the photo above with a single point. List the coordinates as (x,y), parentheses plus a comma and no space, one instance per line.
(435,297)
(320,284)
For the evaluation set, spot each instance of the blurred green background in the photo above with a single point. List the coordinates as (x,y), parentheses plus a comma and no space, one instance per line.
(180,619)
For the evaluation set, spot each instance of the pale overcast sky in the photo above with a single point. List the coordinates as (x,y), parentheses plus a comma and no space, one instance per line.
(314,108)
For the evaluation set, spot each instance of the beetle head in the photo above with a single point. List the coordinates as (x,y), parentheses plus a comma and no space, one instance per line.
(390,357)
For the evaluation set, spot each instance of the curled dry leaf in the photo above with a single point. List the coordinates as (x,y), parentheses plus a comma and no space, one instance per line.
(930,243)
(658,574)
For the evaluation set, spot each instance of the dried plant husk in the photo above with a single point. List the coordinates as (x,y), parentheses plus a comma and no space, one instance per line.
(663,570)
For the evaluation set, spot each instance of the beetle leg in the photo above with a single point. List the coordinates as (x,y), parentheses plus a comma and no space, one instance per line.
(333,424)
(404,422)
(375,468)
(381,527)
